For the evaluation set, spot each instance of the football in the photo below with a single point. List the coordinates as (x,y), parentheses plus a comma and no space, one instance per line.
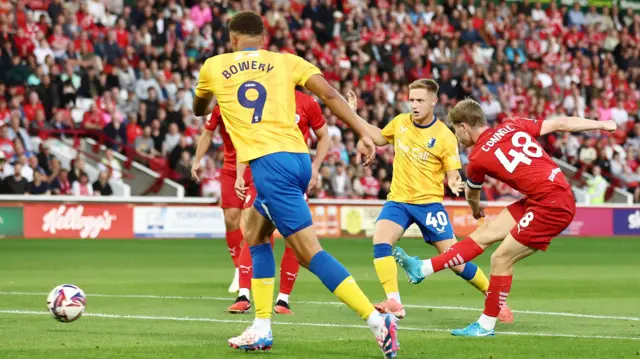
(66,303)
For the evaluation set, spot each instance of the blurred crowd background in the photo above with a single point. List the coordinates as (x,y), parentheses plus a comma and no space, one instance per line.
(124,72)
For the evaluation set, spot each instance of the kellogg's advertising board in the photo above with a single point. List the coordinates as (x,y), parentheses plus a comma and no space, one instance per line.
(78,221)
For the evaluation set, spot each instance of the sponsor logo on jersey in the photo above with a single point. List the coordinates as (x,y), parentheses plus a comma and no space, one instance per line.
(416,152)
(553,174)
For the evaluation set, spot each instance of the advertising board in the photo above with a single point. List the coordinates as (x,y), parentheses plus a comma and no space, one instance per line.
(178,222)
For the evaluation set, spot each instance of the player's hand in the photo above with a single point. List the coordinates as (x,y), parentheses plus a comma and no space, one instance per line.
(366,151)
(240,187)
(195,168)
(314,179)
(352,100)
(478,213)
(610,125)
(456,185)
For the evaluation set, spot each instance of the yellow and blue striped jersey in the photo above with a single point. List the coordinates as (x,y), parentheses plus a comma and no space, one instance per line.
(423,154)
(255,90)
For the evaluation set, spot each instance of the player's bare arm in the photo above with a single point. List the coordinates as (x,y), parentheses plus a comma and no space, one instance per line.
(201,106)
(321,153)
(240,186)
(575,124)
(473,199)
(454,180)
(332,98)
(204,90)
(203,145)
(374,132)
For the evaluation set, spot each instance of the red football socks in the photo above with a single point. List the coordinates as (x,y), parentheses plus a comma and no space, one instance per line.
(288,271)
(464,251)
(499,288)
(234,239)
(246,266)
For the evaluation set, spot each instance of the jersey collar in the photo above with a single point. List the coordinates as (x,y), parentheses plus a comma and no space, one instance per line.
(249,49)
(427,125)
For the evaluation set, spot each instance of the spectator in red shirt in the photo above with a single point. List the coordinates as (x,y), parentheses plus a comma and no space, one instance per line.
(133,128)
(5,113)
(6,145)
(92,119)
(58,41)
(61,185)
(370,185)
(32,107)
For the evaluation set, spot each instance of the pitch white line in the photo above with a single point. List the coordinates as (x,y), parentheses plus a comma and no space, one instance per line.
(326,325)
(416,306)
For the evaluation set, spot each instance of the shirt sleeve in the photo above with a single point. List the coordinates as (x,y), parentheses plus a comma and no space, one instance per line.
(204,89)
(532,127)
(314,112)
(300,69)
(450,155)
(389,131)
(475,175)
(214,119)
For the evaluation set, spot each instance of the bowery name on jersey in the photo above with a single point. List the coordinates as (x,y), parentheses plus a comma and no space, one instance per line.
(244,66)
(497,137)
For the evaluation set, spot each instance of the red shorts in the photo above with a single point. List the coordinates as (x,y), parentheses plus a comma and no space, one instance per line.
(541,221)
(229,198)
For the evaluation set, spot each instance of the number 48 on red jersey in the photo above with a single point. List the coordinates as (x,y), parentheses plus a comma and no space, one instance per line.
(511,154)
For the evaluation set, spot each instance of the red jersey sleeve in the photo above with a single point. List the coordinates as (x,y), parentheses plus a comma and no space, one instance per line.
(475,175)
(214,119)
(314,113)
(530,126)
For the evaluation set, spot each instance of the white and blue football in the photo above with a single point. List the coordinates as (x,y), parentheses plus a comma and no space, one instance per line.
(66,303)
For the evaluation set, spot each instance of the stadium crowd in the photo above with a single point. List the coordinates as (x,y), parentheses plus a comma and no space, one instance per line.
(127,70)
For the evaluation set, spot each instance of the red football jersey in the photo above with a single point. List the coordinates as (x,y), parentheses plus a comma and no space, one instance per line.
(212,123)
(308,116)
(511,154)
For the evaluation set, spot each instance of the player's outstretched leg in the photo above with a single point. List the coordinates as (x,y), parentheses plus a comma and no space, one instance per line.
(387,234)
(462,252)
(258,336)
(234,240)
(502,261)
(474,276)
(289,268)
(338,280)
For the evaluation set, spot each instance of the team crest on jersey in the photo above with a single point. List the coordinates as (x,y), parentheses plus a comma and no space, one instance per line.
(431,143)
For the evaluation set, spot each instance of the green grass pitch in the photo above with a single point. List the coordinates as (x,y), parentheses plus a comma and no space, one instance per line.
(167,299)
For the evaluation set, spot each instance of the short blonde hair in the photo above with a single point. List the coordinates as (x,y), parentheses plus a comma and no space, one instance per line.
(427,84)
(467,111)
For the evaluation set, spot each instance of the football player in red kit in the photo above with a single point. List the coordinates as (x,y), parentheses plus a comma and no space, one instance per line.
(231,205)
(508,153)
(308,117)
